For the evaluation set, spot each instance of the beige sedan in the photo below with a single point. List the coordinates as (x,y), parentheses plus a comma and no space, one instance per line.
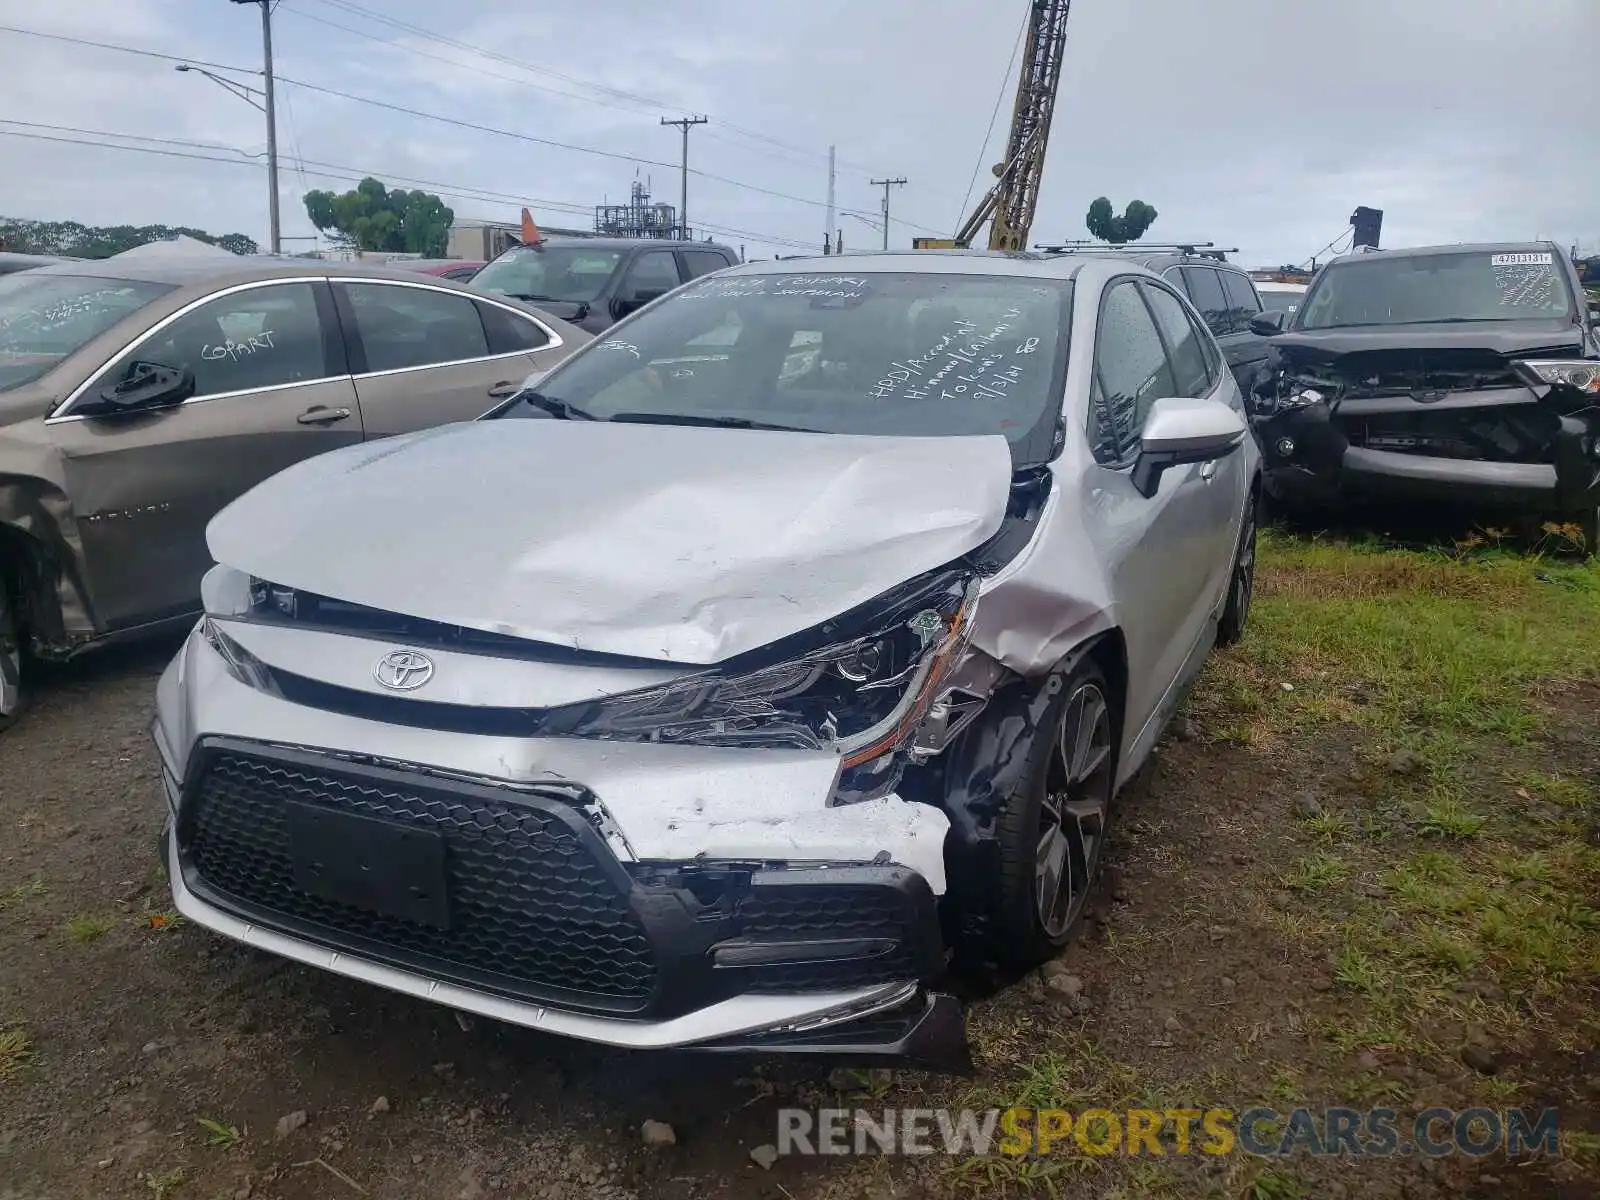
(138,398)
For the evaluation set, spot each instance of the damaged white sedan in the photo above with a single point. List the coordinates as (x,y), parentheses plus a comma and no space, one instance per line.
(782,645)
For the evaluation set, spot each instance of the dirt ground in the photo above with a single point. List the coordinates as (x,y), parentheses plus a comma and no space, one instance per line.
(1347,879)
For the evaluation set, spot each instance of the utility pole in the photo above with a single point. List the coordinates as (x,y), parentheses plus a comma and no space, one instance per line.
(272,122)
(886,184)
(827,233)
(684,124)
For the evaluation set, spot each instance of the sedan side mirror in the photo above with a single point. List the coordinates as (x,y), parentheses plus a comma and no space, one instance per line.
(150,385)
(1267,324)
(1182,430)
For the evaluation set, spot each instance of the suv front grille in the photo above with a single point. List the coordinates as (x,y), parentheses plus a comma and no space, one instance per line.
(533,910)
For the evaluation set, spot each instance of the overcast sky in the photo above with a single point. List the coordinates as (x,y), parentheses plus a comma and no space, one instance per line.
(1258,124)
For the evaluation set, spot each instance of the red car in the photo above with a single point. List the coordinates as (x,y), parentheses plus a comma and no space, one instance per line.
(447,268)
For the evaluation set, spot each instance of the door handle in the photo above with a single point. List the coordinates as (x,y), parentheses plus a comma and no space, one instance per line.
(321,414)
(1208,470)
(503,389)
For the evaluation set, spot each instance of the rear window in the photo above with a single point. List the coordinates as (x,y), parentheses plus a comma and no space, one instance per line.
(46,318)
(1475,285)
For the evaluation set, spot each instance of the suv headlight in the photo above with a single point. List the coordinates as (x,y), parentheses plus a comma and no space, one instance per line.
(1299,396)
(859,685)
(1582,374)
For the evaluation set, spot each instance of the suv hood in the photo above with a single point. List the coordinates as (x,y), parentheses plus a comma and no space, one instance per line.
(678,544)
(1504,338)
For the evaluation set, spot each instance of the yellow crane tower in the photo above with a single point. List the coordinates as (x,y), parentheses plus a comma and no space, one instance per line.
(1010,204)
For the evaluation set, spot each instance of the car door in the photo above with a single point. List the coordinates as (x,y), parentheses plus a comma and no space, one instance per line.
(1249,349)
(1196,369)
(703,262)
(1157,549)
(651,274)
(425,356)
(271,387)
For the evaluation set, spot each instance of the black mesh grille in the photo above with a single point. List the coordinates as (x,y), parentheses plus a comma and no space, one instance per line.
(803,912)
(532,910)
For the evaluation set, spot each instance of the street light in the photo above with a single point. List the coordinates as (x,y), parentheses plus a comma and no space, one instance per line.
(247,94)
(265,105)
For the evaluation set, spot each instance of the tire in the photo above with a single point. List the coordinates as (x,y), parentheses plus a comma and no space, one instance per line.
(1055,821)
(11,693)
(1242,579)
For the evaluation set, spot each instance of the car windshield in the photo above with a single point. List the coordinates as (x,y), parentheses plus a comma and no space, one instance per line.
(1475,285)
(570,274)
(45,318)
(873,353)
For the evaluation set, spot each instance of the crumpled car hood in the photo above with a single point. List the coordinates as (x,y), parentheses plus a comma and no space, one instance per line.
(678,544)
(1499,337)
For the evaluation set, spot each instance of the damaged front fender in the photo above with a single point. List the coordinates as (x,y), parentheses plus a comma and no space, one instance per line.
(42,552)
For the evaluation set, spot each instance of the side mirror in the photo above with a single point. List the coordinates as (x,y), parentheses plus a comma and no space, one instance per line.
(1270,323)
(150,385)
(1182,430)
(634,301)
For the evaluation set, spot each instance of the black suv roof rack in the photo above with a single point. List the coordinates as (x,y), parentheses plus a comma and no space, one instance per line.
(1196,249)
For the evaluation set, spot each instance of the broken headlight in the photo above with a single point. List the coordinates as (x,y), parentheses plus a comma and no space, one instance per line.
(1298,395)
(858,686)
(1580,374)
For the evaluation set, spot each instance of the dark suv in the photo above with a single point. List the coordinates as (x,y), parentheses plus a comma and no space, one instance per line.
(1468,374)
(595,282)
(1223,294)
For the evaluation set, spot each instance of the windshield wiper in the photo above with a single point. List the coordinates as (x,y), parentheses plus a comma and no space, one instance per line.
(649,418)
(559,409)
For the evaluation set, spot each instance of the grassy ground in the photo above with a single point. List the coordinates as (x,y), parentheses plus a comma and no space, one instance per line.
(1370,878)
(1364,870)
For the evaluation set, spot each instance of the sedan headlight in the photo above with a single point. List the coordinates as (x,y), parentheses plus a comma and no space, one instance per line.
(859,686)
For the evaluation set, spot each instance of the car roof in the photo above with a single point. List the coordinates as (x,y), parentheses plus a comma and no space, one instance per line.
(223,271)
(628,243)
(1023,264)
(205,274)
(1529,247)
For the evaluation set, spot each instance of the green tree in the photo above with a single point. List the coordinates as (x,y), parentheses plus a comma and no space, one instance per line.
(371,217)
(1104,224)
(74,240)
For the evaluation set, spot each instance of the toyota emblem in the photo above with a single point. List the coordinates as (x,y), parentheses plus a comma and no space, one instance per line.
(403,670)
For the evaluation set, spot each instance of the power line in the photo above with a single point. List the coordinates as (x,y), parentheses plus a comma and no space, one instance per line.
(620,93)
(627,106)
(455,121)
(335,171)
(631,101)
(1005,80)
(77,41)
(421,53)
(1342,235)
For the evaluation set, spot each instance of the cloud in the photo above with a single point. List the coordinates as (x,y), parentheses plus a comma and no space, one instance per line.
(1254,124)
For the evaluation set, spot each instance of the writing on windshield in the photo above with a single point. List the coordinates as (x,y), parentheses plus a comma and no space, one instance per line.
(1419,289)
(891,353)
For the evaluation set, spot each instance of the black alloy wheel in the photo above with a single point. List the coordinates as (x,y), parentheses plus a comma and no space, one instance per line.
(1052,827)
(1074,811)
(10,658)
(1242,582)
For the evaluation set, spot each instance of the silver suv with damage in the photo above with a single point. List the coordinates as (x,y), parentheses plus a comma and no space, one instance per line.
(789,640)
